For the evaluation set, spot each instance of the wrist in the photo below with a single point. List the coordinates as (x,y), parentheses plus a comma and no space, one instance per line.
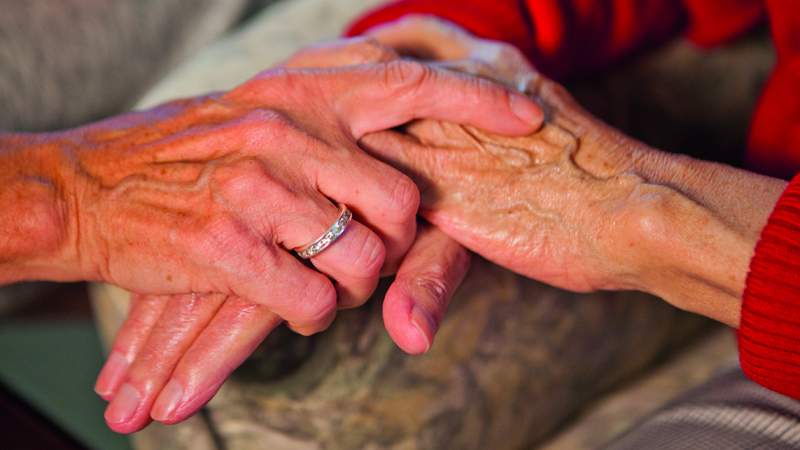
(36,213)
(700,222)
(690,258)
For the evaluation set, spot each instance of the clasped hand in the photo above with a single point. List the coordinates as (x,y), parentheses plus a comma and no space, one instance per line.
(575,204)
(203,199)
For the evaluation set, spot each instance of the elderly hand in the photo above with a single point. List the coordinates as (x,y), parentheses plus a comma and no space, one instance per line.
(174,352)
(578,204)
(207,195)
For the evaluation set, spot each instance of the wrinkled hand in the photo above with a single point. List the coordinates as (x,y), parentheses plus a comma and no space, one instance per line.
(159,366)
(578,204)
(538,204)
(206,195)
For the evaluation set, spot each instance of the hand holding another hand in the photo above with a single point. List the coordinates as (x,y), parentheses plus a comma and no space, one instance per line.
(577,204)
(242,176)
(208,195)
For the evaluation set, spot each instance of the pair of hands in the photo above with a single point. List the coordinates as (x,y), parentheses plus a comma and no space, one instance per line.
(207,194)
(576,204)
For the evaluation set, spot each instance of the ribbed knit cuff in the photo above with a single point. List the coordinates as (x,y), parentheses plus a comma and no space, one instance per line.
(769,334)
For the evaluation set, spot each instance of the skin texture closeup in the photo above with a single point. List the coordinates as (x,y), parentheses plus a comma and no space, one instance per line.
(206,196)
(577,204)
(514,359)
(159,366)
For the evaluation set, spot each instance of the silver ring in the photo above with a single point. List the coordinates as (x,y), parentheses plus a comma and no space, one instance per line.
(329,237)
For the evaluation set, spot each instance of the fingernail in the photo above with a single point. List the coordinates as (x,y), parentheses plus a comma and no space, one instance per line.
(167,401)
(124,405)
(111,374)
(424,324)
(525,109)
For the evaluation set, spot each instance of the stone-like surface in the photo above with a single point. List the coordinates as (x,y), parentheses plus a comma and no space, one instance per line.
(621,409)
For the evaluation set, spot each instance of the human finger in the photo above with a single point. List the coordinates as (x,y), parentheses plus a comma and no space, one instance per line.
(294,214)
(182,320)
(417,300)
(383,198)
(381,96)
(233,334)
(142,317)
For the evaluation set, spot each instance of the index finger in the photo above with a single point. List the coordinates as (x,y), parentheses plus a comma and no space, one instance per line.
(381,96)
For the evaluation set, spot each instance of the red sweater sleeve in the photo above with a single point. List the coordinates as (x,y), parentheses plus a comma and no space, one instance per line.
(561,37)
(769,335)
(565,37)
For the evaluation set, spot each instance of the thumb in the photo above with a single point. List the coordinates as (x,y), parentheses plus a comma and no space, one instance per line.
(417,300)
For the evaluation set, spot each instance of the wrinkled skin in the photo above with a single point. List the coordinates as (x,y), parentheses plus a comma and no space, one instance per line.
(165,374)
(577,204)
(189,223)
(208,196)
(506,196)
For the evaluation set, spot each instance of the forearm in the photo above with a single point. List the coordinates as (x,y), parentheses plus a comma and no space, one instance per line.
(34,211)
(710,229)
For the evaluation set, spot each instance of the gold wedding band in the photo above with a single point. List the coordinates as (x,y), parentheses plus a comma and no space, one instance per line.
(319,244)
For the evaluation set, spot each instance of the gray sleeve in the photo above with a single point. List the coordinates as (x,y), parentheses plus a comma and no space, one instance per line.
(729,412)
(66,62)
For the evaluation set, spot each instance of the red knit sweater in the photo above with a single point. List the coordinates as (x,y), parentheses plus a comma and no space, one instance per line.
(564,37)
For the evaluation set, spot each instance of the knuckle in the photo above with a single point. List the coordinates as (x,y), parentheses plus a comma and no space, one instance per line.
(320,304)
(371,255)
(432,282)
(242,179)
(271,86)
(404,199)
(372,51)
(487,92)
(261,118)
(257,87)
(652,206)
(260,126)
(407,75)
